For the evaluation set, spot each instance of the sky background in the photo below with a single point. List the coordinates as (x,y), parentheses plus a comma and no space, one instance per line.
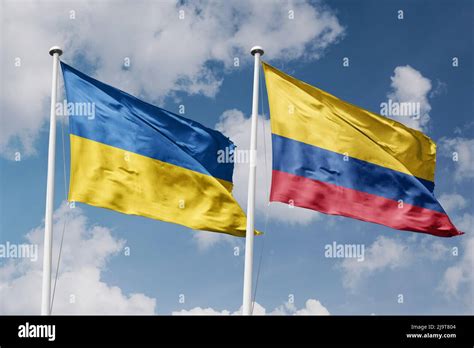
(114,263)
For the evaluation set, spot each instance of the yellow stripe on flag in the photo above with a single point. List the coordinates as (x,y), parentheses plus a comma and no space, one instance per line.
(109,177)
(307,114)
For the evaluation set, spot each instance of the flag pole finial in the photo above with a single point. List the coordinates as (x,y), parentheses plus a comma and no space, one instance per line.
(256,49)
(55,49)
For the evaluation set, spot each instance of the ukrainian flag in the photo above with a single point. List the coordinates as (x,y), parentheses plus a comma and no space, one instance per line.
(136,158)
(339,159)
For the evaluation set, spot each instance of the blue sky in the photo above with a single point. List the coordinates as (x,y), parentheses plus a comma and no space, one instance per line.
(167,260)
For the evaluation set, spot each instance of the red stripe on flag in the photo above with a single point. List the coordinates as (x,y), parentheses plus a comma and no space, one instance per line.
(337,200)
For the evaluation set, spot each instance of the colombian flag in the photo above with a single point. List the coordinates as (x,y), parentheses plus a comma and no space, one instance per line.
(339,159)
(136,158)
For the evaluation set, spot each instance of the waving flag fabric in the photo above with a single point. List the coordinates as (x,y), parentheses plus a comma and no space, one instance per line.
(136,158)
(339,159)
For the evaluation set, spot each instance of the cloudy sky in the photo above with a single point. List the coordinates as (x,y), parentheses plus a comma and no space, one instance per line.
(195,54)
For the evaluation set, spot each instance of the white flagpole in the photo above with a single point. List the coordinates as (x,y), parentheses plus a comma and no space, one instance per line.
(48,219)
(257,52)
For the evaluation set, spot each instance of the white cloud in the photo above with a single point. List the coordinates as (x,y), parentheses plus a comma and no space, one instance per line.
(458,280)
(433,250)
(236,126)
(464,129)
(256,310)
(206,240)
(200,311)
(452,202)
(390,254)
(461,152)
(167,54)
(409,85)
(86,252)
(312,307)
(384,253)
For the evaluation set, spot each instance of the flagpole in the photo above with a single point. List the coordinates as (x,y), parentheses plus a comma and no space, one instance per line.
(257,52)
(55,52)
